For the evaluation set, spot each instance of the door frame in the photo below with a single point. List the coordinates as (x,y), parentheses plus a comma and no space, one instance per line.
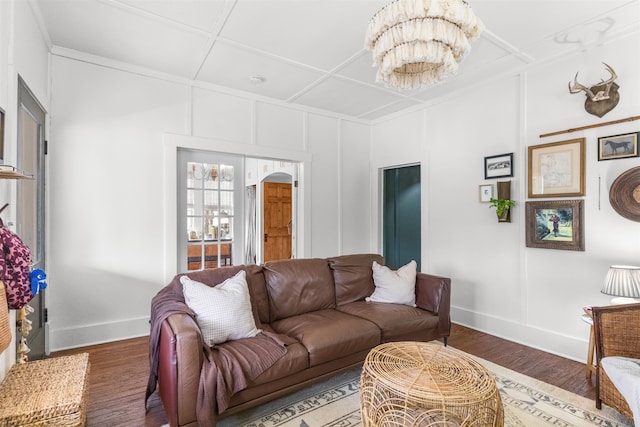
(38,338)
(380,203)
(172,142)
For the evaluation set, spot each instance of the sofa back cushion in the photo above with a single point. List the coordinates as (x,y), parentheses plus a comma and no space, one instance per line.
(297,286)
(353,276)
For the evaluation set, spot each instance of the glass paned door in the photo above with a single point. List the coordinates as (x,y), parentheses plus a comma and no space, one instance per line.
(210,233)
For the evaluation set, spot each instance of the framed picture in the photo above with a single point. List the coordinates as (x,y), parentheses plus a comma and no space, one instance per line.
(557,169)
(498,166)
(555,224)
(618,146)
(485,192)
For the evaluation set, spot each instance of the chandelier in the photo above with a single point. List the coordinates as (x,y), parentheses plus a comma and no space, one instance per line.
(419,42)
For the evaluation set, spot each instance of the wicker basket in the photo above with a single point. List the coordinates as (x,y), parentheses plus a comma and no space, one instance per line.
(49,392)
(5,325)
(411,384)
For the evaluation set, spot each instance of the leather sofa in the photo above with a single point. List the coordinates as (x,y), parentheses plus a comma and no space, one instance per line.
(318,302)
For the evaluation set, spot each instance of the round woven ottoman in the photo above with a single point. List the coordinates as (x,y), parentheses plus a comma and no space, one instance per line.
(426,384)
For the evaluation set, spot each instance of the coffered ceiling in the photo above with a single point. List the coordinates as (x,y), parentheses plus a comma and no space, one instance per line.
(311,52)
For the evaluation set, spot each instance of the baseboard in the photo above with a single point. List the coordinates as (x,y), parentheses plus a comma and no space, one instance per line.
(84,335)
(546,340)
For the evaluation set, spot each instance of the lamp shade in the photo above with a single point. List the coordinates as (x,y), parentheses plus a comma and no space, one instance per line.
(622,281)
(420,42)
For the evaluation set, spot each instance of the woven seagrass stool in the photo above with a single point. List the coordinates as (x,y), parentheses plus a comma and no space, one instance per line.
(48,392)
(413,384)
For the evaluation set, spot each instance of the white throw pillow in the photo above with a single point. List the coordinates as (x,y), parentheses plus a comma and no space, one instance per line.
(223,312)
(397,287)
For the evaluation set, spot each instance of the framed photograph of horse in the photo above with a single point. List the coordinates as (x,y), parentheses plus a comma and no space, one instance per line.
(618,146)
(555,224)
(557,169)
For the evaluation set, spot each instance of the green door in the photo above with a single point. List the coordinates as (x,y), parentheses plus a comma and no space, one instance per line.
(401,216)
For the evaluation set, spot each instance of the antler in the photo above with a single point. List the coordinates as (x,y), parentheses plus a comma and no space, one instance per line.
(577,87)
(602,94)
(613,75)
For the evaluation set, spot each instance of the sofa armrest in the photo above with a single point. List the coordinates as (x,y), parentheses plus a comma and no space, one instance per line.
(433,293)
(180,363)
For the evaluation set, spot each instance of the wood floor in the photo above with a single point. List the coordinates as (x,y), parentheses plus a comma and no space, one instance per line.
(119,373)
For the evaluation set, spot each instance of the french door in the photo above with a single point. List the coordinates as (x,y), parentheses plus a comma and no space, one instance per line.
(210,206)
(31,205)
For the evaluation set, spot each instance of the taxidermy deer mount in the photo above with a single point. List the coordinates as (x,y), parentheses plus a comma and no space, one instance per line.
(601,98)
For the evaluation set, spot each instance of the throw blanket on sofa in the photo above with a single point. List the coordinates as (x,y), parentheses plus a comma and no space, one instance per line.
(226,368)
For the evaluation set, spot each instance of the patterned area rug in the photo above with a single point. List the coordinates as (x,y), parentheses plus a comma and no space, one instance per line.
(335,403)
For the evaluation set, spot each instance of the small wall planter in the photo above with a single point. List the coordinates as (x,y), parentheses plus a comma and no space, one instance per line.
(503,203)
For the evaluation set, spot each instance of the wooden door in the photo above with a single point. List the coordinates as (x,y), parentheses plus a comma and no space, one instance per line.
(277,221)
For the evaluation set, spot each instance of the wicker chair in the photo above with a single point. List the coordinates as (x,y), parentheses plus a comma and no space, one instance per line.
(617,333)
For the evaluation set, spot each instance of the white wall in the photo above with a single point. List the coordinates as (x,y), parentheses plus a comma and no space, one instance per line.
(24,52)
(534,296)
(112,195)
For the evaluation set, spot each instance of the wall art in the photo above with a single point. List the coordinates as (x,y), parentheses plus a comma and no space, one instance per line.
(485,192)
(557,169)
(556,224)
(499,166)
(618,146)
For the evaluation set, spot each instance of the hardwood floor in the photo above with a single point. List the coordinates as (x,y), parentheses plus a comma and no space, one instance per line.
(119,373)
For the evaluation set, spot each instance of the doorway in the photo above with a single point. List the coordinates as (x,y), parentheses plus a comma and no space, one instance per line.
(277,220)
(30,210)
(401,216)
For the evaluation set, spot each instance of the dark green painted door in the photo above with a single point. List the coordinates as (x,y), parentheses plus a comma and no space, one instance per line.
(401,216)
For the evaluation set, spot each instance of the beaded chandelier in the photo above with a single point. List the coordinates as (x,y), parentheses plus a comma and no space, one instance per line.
(420,42)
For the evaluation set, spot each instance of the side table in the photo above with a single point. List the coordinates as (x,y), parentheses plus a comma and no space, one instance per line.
(423,384)
(591,368)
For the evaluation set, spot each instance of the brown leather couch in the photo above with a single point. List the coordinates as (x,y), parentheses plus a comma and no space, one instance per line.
(321,303)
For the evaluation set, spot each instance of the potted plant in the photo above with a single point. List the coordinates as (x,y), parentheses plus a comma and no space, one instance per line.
(502,208)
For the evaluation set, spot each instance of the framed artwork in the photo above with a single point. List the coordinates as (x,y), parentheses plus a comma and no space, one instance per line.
(557,169)
(498,166)
(555,224)
(485,192)
(1,136)
(618,146)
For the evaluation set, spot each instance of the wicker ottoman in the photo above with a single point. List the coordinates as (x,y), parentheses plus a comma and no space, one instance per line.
(426,384)
(48,392)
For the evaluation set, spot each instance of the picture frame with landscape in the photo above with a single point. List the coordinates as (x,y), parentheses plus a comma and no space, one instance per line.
(555,224)
(557,169)
(499,166)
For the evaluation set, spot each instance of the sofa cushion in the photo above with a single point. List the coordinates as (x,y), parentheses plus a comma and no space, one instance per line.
(396,321)
(223,312)
(398,287)
(353,276)
(298,286)
(295,360)
(329,334)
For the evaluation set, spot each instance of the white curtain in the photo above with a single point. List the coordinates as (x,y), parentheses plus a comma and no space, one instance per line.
(250,244)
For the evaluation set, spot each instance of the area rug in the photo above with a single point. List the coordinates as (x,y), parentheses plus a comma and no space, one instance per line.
(335,403)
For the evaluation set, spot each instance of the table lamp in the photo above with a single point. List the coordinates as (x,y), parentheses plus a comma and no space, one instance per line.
(623,283)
